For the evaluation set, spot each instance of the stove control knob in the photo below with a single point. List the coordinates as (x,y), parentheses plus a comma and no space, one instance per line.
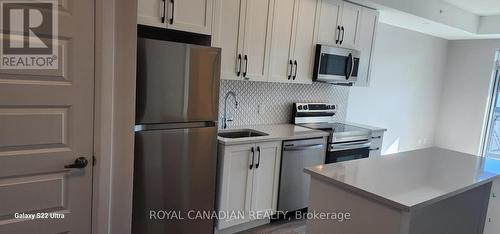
(305,107)
(299,107)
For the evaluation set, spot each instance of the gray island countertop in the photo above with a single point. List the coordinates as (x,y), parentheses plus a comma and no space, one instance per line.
(410,180)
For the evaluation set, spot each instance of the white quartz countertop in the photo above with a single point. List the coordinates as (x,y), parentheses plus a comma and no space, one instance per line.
(410,180)
(372,128)
(275,132)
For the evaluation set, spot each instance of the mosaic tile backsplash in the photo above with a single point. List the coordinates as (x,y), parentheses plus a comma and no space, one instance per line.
(271,103)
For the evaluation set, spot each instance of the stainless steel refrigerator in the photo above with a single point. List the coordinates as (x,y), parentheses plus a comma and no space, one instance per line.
(175,136)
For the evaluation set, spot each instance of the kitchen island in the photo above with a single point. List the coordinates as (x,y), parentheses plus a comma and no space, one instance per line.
(424,191)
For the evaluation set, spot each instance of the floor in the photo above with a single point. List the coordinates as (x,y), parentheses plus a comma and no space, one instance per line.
(282,227)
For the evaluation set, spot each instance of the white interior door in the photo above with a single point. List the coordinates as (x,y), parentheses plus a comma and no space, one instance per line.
(351,15)
(228,35)
(304,45)
(266,177)
(46,122)
(190,15)
(281,43)
(257,40)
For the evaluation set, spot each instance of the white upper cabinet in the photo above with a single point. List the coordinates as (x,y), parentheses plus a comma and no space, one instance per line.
(228,33)
(329,21)
(184,15)
(349,25)
(338,23)
(190,15)
(274,40)
(241,29)
(152,13)
(292,43)
(281,58)
(367,30)
(256,43)
(304,44)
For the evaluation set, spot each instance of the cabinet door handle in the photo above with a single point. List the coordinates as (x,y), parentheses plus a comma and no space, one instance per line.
(173,10)
(162,11)
(291,70)
(375,149)
(253,155)
(338,35)
(342,40)
(238,65)
(258,158)
(246,66)
(377,137)
(295,74)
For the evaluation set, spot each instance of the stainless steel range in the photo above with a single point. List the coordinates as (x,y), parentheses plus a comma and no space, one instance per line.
(346,142)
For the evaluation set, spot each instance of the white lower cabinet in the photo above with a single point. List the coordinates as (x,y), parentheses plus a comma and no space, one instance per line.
(248,181)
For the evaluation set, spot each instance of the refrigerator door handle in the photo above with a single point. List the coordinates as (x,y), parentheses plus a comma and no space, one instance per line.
(148,127)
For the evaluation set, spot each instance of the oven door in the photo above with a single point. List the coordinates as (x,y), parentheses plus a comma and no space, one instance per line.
(339,152)
(336,65)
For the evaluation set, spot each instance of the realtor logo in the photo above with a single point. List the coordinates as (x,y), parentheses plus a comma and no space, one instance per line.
(29,39)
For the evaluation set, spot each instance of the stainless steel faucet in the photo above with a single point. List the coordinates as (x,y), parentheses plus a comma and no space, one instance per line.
(224,118)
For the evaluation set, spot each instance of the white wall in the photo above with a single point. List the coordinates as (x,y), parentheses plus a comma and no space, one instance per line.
(465,95)
(405,86)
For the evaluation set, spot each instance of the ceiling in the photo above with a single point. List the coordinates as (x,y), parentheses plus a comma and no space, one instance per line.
(478,7)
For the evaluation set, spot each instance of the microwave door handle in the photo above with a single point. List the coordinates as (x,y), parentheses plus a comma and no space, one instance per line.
(352,66)
(348,67)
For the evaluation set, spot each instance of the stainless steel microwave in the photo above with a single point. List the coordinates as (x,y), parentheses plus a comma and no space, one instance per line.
(336,65)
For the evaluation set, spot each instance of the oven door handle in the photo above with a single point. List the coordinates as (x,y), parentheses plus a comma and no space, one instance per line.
(349,146)
(303,147)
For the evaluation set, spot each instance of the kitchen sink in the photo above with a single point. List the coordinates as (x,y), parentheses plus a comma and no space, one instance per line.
(241,133)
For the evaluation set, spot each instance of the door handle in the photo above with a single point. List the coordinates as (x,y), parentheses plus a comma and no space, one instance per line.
(80,162)
(162,11)
(291,70)
(338,35)
(349,66)
(295,74)
(253,155)
(246,66)
(304,147)
(258,158)
(239,66)
(342,40)
(173,10)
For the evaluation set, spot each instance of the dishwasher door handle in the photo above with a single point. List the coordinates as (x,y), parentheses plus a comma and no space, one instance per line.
(303,147)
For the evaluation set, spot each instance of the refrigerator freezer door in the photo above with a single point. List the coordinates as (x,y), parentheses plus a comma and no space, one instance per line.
(174,171)
(176,82)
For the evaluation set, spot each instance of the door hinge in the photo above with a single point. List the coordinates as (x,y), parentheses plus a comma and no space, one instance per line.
(93,161)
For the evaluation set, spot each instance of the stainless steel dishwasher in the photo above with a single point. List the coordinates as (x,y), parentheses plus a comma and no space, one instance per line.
(294,183)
